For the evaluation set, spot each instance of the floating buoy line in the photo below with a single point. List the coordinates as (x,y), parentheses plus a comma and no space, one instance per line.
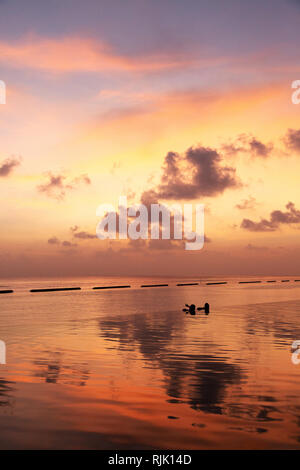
(183,284)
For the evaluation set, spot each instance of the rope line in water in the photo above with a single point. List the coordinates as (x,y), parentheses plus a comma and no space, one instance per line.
(59,289)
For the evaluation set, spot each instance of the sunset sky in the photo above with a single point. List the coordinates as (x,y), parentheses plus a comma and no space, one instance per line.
(171,100)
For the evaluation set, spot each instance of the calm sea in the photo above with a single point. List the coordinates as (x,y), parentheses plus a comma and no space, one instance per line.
(127,369)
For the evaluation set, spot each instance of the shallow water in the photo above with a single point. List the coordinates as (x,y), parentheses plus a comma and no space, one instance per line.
(127,369)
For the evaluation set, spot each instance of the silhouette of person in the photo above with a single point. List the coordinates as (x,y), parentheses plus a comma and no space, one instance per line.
(191,309)
(205,308)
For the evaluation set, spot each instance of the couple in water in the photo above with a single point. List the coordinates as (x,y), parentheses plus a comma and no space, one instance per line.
(191,309)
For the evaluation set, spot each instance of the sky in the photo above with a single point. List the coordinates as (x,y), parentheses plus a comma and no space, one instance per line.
(162,101)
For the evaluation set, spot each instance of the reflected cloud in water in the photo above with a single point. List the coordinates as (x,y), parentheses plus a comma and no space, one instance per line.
(6,393)
(54,369)
(201,380)
(128,370)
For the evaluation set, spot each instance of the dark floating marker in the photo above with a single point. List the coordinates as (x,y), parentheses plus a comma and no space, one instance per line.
(55,289)
(249,282)
(155,285)
(297,280)
(189,284)
(6,291)
(215,283)
(111,287)
(271,281)
(285,280)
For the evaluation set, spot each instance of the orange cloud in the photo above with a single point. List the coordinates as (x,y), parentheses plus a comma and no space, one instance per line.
(70,54)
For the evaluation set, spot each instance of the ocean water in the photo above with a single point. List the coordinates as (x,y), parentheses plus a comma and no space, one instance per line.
(128,369)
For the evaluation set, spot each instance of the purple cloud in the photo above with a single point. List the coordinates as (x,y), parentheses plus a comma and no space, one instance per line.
(277,217)
(53,241)
(68,244)
(57,185)
(198,172)
(8,165)
(248,144)
(292,139)
(82,235)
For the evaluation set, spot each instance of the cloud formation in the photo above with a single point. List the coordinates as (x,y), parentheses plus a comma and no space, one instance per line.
(246,204)
(65,243)
(7,166)
(57,185)
(53,241)
(292,139)
(258,148)
(256,248)
(57,55)
(79,235)
(68,244)
(82,235)
(198,172)
(277,217)
(247,143)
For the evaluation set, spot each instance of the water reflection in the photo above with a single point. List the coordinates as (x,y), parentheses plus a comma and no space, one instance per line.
(201,380)
(278,319)
(54,369)
(109,371)
(198,372)
(254,412)
(6,396)
(150,334)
